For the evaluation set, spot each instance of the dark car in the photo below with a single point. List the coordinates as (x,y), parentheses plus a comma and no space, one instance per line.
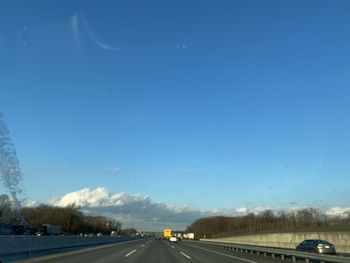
(316,246)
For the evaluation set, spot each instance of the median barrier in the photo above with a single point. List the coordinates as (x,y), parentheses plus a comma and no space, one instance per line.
(341,240)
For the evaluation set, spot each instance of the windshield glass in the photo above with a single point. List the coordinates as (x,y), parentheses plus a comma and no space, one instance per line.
(197,120)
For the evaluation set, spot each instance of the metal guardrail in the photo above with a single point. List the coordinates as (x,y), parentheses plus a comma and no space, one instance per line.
(283,254)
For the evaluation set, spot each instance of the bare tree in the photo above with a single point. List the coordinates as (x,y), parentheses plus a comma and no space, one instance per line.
(5,209)
(265,221)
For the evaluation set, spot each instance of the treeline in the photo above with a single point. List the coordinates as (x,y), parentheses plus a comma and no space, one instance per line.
(266,221)
(71,219)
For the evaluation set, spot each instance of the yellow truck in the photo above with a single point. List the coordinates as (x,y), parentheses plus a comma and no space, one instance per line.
(167,233)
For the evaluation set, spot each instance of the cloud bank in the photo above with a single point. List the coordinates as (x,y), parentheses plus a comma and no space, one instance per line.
(338,211)
(133,210)
(141,212)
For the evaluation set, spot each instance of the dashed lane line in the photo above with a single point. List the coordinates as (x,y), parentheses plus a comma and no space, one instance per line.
(185,255)
(130,253)
(72,253)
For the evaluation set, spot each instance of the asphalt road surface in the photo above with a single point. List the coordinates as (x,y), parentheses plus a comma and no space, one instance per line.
(153,251)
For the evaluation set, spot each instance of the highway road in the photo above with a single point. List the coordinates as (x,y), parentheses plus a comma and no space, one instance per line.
(153,251)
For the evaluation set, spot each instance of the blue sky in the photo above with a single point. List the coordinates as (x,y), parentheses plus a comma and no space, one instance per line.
(213,105)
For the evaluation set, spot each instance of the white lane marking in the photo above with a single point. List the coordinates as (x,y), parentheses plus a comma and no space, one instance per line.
(73,253)
(130,253)
(186,256)
(222,254)
(142,245)
(172,246)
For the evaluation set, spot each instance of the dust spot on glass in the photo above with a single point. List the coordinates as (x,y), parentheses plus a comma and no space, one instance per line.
(183,47)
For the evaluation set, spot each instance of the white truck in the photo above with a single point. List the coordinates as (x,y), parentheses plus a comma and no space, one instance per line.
(189,236)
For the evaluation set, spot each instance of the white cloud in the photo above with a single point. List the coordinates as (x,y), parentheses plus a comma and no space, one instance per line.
(260,209)
(241,210)
(100,197)
(338,211)
(30,203)
(133,210)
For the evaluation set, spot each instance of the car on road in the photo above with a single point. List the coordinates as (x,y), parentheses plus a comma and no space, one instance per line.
(172,239)
(316,246)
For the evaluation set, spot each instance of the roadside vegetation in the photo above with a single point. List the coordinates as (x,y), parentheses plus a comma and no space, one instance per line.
(308,219)
(71,219)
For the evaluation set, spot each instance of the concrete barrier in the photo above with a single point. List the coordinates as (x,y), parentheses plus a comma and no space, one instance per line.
(341,240)
(25,244)
(283,254)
